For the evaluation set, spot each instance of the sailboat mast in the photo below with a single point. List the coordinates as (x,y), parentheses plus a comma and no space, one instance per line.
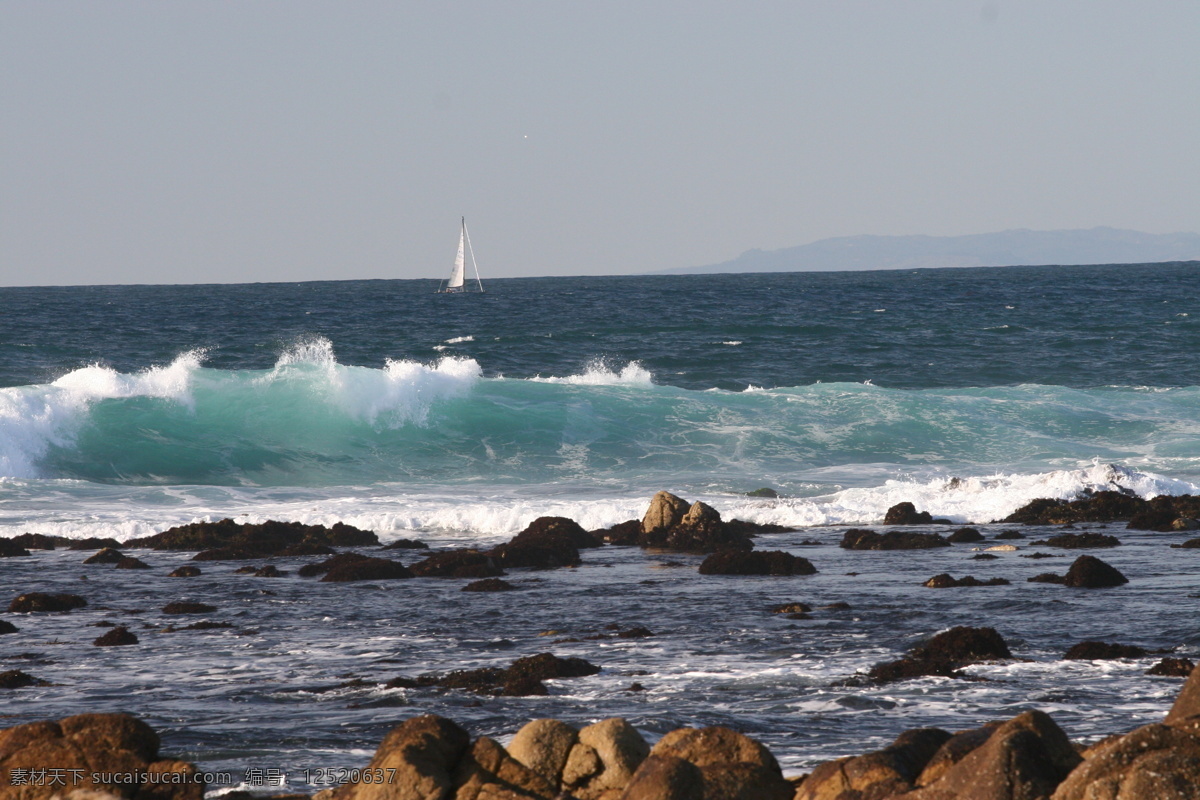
(471,250)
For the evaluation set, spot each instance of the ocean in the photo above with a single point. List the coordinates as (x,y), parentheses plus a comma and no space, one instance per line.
(458,419)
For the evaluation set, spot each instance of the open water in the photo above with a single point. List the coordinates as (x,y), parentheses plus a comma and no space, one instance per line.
(459,419)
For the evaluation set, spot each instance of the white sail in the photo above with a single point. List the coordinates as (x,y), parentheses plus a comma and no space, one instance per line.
(456,275)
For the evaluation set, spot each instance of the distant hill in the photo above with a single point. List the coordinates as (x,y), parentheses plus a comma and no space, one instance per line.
(1004,249)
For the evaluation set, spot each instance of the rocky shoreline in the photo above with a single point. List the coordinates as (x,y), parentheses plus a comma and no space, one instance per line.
(1027,756)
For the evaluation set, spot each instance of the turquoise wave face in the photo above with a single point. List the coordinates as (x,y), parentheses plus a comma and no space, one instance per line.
(313,422)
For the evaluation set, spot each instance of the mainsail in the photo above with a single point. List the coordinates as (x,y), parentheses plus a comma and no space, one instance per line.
(458,275)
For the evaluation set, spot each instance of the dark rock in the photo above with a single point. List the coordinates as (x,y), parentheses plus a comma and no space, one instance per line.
(764,492)
(836,607)
(37,541)
(1173,668)
(92,543)
(367,569)
(745,528)
(116,637)
(963,535)
(1077,541)
(188,608)
(320,568)
(406,544)
(1047,577)
(903,669)
(1104,506)
(7,627)
(548,543)
(965,645)
(1089,572)
(791,608)
(10,549)
(129,562)
(1010,534)
(186,571)
(226,539)
(907,514)
(984,557)
(108,555)
(457,564)
(756,562)
(205,625)
(489,585)
(861,539)
(947,581)
(419,756)
(40,601)
(522,678)
(624,534)
(16,679)
(269,571)
(1036,556)
(1189,544)
(1102,651)
(636,632)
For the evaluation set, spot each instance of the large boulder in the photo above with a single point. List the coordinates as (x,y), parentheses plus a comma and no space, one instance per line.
(665,511)
(488,772)
(1186,710)
(880,774)
(603,761)
(1089,572)
(1151,763)
(756,562)
(420,757)
(731,764)
(906,514)
(543,746)
(665,778)
(863,539)
(463,563)
(93,752)
(547,543)
(41,601)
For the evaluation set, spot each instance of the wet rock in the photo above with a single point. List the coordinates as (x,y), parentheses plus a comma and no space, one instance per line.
(862,539)
(7,627)
(489,585)
(1106,506)
(764,492)
(964,535)
(756,562)
(269,571)
(945,654)
(420,755)
(10,549)
(984,557)
(906,514)
(883,773)
(1189,544)
(92,543)
(1185,712)
(1102,651)
(458,564)
(16,679)
(948,581)
(226,539)
(405,544)
(1185,524)
(1047,577)
(1089,572)
(1024,758)
(548,543)
(791,608)
(1077,541)
(37,541)
(522,678)
(665,511)
(116,637)
(188,608)
(1010,534)
(129,562)
(96,753)
(109,555)
(40,601)
(321,567)
(1154,761)
(186,571)
(624,534)
(1172,668)
(366,569)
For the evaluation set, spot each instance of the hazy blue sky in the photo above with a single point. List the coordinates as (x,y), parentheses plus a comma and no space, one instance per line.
(185,142)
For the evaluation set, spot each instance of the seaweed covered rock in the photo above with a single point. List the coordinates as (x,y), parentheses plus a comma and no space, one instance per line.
(366,569)
(1089,572)
(10,549)
(462,563)
(521,678)
(906,514)
(948,581)
(41,601)
(756,562)
(16,679)
(1106,506)
(965,535)
(226,539)
(185,571)
(1173,668)
(945,654)
(489,585)
(862,539)
(623,534)
(1079,541)
(116,637)
(405,544)
(1102,651)
(38,541)
(547,543)
(109,555)
(184,607)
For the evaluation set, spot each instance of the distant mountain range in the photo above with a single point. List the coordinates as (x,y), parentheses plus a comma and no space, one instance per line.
(1007,248)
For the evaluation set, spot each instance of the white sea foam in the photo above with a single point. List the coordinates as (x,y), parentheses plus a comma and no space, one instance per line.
(460,339)
(599,373)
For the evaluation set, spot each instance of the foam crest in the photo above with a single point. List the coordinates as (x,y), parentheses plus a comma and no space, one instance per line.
(600,373)
(404,391)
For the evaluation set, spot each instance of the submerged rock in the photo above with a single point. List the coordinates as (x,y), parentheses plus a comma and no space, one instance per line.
(40,601)
(226,539)
(109,555)
(523,677)
(186,571)
(947,581)
(489,585)
(1076,541)
(10,549)
(458,564)
(756,562)
(366,569)
(862,539)
(116,637)
(182,607)
(1102,651)
(16,679)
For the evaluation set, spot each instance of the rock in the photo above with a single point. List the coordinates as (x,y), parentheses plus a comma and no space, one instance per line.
(791,608)
(607,755)
(38,541)
(906,514)
(543,746)
(1186,710)
(91,543)
(458,564)
(40,601)
(947,581)
(186,571)
(1154,761)
(880,774)
(7,627)
(700,530)
(1188,545)
(1077,541)
(944,655)
(10,549)
(548,543)
(714,745)
(367,569)
(522,678)
(665,778)
(1185,524)
(420,756)
(321,567)
(952,751)
(1172,668)
(764,492)
(1106,506)
(1025,758)
(188,608)
(1010,534)
(665,511)
(1047,577)
(1089,572)
(269,571)
(267,539)
(16,679)
(756,562)
(405,544)
(861,539)
(984,557)
(109,555)
(489,585)
(624,534)
(116,637)
(487,771)
(1102,651)
(129,562)
(90,748)
(963,535)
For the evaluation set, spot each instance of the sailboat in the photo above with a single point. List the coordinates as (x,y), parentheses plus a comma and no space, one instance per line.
(458,276)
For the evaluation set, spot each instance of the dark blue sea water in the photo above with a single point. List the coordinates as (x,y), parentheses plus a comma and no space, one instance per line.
(459,419)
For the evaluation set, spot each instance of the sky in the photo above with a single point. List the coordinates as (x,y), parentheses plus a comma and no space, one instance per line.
(286,140)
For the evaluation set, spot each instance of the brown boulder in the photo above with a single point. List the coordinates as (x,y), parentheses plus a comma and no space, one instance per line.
(665,511)
(543,746)
(953,750)
(714,745)
(880,774)
(607,755)
(423,752)
(488,772)
(1186,710)
(665,778)
(1154,762)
